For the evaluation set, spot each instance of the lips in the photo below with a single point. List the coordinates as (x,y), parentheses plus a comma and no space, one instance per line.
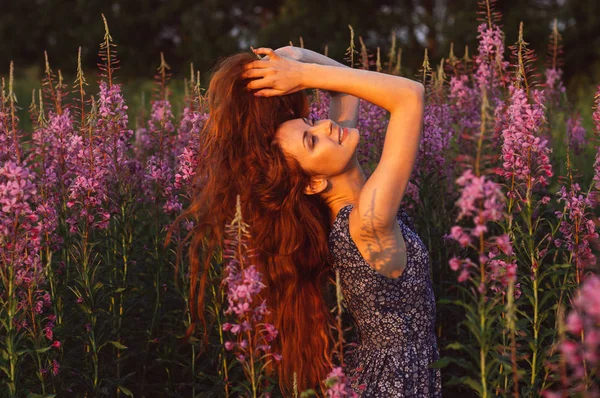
(341,134)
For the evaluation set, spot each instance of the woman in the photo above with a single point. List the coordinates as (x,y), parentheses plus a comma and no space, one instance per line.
(311,211)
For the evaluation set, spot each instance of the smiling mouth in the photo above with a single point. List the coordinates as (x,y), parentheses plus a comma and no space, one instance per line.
(340,132)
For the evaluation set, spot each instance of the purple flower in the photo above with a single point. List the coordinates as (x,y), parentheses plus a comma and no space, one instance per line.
(554,87)
(576,133)
(243,285)
(490,66)
(576,226)
(525,155)
(596,118)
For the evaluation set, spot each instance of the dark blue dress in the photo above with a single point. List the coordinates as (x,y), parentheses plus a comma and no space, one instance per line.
(395,318)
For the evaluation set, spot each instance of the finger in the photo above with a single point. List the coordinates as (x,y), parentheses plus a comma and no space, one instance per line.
(260,83)
(257,65)
(254,73)
(268,92)
(265,51)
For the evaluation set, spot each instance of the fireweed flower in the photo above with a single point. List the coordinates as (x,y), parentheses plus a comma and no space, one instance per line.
(158,172)
(596,118)
(113,137)
(481,201)
(186,154)
(435,140)
(576,226)
(112,125)
(576,133)
(339,385)
(243,283)
(19,225)
(525,155)
(465,102)
(6,142)
(585,317)
(553,87)
(319,106)
(490,66)
(372,124)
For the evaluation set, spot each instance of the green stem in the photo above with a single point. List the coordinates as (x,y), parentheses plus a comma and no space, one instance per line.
(482,347)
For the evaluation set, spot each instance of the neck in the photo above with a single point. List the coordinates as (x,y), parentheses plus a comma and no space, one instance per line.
(345,189)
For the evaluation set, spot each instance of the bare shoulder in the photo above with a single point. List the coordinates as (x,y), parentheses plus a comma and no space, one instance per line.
(383,248)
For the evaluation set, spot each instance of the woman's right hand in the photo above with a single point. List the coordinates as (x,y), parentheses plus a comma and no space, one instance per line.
(279,75)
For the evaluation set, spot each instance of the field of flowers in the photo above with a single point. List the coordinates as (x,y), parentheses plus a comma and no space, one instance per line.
(95,300)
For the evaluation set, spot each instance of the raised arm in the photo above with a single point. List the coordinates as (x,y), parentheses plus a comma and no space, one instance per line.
(344,107)
(381,195)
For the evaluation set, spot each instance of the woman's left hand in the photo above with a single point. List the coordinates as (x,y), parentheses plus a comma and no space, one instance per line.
(276,76)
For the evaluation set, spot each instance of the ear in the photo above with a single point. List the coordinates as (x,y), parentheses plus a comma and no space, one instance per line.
(317,185)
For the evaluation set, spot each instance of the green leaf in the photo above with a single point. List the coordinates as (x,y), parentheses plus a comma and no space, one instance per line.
(441,363)
(125,390)
(118,345)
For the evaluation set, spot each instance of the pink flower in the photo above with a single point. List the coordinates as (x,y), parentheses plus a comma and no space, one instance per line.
(525,154)
(464,275)
(460,236)
(55,367)
(503,242)
(339,385)
(455,264)
(576,133)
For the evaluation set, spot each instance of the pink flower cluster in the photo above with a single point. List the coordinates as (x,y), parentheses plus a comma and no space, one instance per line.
(319,106)
(435,139)
(576,226)
(8,147)
(554,87)
(339,385)
(584,320)
(243,287)
(596,118)
(159,173)
(188,138)
(19,224)
(490,69)
(372,125)
(525,154)
(466,103)
(482,202)
(576,133)
(112,128)
(244,284)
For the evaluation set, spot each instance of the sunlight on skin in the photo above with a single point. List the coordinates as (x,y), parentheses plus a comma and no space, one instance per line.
(317,146)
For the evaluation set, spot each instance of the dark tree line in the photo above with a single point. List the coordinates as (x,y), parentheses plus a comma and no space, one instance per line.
(202,31)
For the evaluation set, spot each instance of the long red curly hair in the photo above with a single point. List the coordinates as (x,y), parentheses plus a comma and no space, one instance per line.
(239,154)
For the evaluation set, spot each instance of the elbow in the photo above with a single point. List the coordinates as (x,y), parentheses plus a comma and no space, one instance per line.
(418,92)
(410,99)
(420,89)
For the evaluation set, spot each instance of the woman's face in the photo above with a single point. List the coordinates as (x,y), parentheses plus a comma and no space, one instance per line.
(316,145)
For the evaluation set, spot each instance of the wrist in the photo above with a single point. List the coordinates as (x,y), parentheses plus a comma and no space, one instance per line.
(309,72)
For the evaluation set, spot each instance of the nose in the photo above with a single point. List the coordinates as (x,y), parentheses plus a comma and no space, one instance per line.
(328,126)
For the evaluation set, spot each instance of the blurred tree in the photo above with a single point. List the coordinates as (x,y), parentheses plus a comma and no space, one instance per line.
(201,32)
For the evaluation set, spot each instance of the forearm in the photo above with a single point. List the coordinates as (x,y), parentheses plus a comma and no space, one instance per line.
(344,107)
(386,91)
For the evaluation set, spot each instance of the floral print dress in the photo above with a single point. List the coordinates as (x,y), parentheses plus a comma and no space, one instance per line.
(395,318)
